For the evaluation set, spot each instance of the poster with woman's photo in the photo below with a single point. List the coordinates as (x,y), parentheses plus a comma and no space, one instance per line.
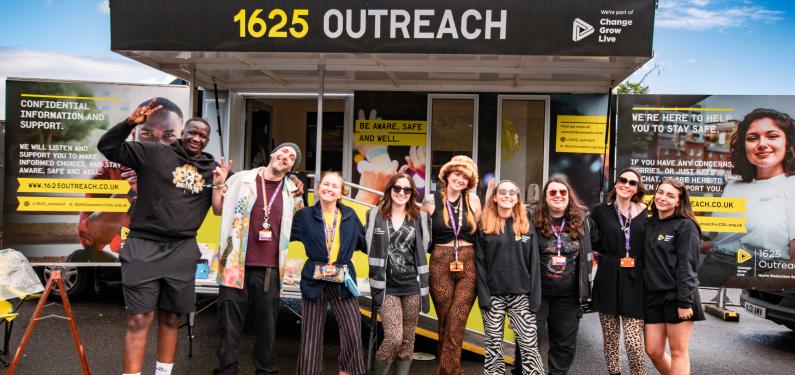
(736,154)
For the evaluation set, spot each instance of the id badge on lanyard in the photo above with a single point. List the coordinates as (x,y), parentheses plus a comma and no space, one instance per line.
(266,234)
(626,261)
(456,265)
(559,260)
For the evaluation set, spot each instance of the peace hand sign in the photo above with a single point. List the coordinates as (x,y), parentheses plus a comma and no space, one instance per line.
(221,172)
(140,114)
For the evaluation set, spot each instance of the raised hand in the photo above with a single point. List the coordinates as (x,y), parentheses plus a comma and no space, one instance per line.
(140,114)
(221,172)
(299,185)
(131,176)
(366,149)
(416,160)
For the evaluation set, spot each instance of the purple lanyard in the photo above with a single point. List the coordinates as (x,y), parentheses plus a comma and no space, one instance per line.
(330,233)
(557,233)
(267,208)
(625,228)
(456,228)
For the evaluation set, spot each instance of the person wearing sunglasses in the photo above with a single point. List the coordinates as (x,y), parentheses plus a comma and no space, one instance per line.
(397,238)
(508,278)
(618,236)
(454,213)
(672,302)
(565,251)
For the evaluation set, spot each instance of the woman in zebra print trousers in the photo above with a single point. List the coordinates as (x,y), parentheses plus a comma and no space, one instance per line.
(508,278)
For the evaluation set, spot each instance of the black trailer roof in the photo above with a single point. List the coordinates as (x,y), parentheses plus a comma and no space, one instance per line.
(428,45)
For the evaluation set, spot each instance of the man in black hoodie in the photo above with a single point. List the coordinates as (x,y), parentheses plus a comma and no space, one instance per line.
(158,261)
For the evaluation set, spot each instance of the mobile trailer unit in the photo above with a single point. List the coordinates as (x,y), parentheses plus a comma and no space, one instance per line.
(522,88)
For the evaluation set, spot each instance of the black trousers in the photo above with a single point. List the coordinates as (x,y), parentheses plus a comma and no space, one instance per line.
(261,295)
(561,318)
(558,325)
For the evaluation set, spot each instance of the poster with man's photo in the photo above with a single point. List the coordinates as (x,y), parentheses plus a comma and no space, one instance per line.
(64,202)
(736,154)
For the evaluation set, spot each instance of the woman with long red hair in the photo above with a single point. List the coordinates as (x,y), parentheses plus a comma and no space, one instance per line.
(509,279)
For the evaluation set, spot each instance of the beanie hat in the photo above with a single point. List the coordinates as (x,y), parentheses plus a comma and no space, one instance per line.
(463,164)
(295,148)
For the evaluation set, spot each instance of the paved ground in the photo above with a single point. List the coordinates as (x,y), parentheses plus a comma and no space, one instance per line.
(751,346)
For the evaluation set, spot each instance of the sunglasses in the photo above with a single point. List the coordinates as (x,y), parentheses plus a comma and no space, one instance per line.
(554,192)
(406,190)
(508,192)
(626,181)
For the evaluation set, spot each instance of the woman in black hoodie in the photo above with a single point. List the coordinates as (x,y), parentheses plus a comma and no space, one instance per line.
(671,282)
(508,278)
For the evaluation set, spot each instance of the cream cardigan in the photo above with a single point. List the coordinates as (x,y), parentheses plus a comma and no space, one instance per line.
(238,201)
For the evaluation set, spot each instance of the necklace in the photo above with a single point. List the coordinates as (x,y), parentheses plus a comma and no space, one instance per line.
(456,205)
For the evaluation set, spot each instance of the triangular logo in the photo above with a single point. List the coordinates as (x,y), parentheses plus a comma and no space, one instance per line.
(581,29)
(743,256)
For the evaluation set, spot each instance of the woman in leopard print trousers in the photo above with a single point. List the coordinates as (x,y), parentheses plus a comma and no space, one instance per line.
(453,282)
(618,236)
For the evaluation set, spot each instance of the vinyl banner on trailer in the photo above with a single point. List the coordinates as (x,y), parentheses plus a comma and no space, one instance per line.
(498,27)
(736,154)
(63,201)
(389,135)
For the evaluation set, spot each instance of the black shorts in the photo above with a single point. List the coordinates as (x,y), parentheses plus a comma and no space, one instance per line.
(159,275)
(662,307)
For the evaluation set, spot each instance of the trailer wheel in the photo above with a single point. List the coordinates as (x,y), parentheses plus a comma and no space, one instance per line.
(76,280)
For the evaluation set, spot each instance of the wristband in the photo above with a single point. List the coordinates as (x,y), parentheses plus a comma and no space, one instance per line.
(376,152)
(214,186)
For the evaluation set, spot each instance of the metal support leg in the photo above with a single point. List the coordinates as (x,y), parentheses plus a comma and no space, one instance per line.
(720,310)
(55,279)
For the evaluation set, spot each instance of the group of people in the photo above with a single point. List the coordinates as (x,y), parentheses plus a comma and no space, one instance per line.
(534,263)
(531,263)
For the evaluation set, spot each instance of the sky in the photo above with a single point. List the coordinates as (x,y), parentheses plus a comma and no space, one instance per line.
(700,46)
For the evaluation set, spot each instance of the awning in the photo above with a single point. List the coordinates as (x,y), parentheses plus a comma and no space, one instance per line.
(428,45)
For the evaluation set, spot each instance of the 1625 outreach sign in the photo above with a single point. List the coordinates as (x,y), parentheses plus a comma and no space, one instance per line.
(500,27)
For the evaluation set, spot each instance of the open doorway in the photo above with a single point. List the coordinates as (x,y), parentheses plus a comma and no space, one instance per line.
(260,141)
(272,121)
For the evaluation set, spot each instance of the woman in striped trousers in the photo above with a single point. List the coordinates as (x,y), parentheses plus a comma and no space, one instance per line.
(330,232)
(509,278)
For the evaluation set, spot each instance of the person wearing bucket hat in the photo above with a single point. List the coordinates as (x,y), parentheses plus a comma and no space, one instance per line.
(454,213)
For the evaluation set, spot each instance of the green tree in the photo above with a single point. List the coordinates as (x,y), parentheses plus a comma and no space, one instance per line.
(639,88)
(633,88)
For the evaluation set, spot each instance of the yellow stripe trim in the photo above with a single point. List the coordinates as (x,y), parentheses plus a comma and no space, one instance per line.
(681,109)
(65,97)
